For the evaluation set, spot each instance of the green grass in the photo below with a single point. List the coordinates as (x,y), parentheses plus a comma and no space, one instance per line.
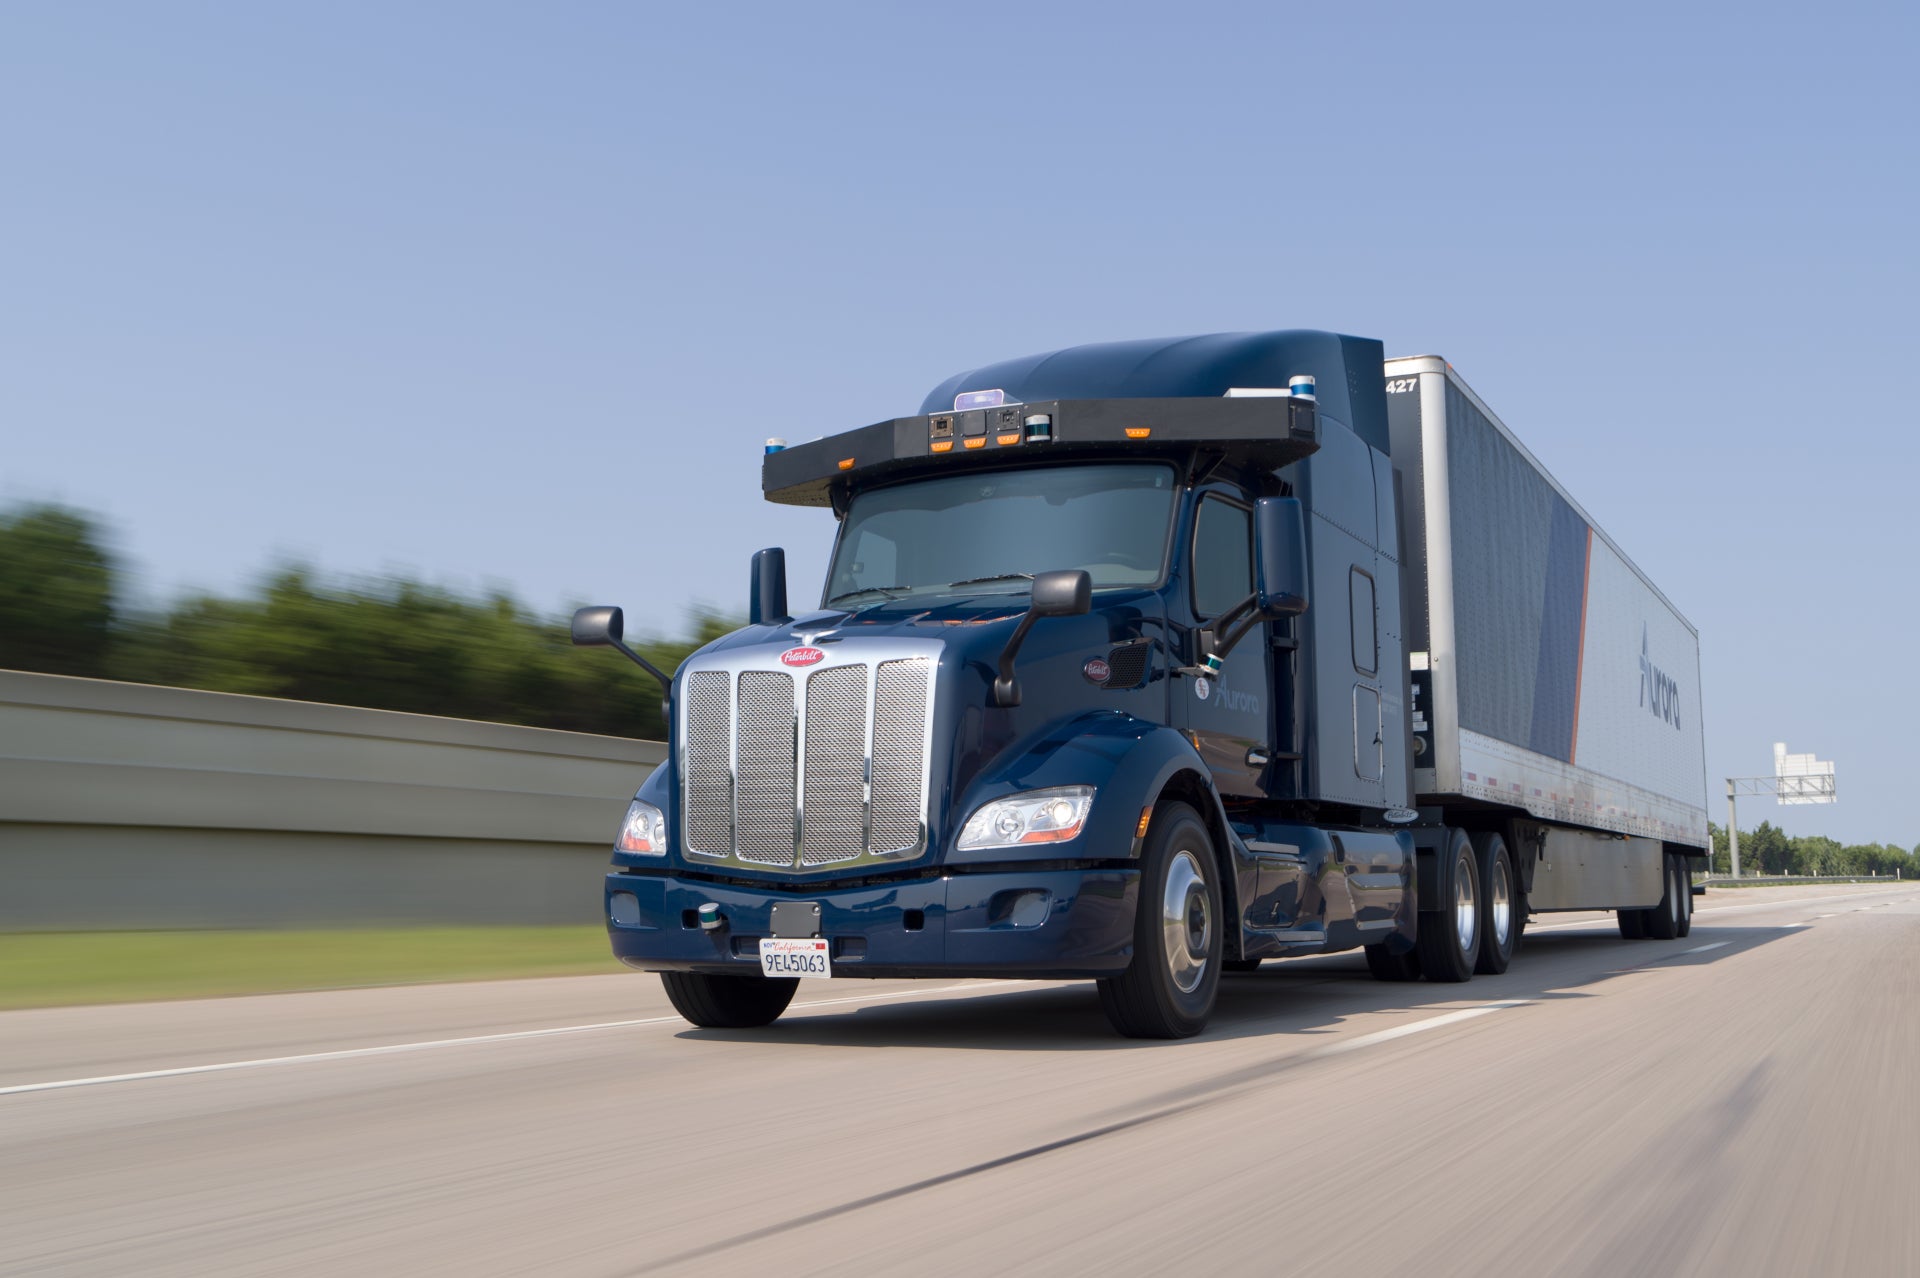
(50,969)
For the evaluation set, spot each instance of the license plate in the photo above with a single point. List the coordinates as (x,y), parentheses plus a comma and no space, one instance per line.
(787,956)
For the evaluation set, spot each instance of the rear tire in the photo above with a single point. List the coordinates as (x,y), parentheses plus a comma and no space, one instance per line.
(1683,877)
(1388,966)
(1449,941)
(1633,924)
(729,1002)
(1499,905)
(1662,922)
(1168,989)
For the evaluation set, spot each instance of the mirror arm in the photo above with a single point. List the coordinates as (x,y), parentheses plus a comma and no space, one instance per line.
(666,680)
(1006,689)
(1227,635)
(1240,632)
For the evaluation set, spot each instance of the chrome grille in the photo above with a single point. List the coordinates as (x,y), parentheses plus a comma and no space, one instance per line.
(765,806)
(833,820)
(899,753)
(800,771)
(709,764)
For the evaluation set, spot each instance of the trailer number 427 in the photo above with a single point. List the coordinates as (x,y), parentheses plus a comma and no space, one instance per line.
(1401,385)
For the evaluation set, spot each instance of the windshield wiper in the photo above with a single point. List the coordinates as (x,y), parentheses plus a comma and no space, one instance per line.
(885,592)
(998,576)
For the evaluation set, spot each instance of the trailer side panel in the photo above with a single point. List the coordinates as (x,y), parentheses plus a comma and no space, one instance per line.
(1565,684)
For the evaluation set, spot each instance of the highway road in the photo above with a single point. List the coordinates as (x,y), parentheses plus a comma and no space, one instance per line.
(1742,1101)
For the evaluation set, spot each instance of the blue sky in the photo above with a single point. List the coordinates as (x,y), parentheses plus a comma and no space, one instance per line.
(510,294)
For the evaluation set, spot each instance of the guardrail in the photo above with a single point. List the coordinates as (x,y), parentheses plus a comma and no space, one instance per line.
(1788,880)
(132,806)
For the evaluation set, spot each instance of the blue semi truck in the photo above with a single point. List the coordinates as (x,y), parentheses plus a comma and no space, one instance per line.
(1146,662)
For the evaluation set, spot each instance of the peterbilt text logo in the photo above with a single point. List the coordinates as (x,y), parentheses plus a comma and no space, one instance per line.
(1659,694)
(801,656)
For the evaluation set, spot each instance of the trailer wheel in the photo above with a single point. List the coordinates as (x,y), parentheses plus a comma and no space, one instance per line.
(1450,936)
(1388,966)
(1633,924)
(1683,883)
(729,1002)
(1500,905)
(1662,921)
(1168,989)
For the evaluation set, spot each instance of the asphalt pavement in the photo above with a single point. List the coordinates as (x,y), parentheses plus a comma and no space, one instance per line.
(1741,1101)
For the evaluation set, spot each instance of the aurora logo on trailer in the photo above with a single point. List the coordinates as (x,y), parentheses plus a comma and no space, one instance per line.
(1659,694)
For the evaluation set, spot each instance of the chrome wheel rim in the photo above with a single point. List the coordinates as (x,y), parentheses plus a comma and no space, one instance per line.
(1500,901)
(1466,921)
(1186,921)
(1677,885)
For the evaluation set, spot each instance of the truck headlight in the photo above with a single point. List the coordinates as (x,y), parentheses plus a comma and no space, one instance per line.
(644,831)
(1038,816)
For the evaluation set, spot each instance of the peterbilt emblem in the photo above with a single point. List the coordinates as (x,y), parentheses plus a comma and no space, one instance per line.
(801,656)
(1097,671)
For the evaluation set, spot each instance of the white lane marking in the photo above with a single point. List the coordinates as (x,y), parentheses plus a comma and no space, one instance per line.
(1417,1027)
(1702,949)
(1835,914)
(390,1049)
(1720,909)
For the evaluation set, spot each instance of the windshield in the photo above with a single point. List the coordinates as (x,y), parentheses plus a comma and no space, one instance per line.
(993,531)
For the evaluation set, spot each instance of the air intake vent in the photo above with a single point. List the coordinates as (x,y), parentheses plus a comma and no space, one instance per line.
(1128,663)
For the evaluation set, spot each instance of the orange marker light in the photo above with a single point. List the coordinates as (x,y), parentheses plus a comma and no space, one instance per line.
(1004,440)
(1146,816)
(846,463)
(1139,432)
(941,445)
(976,442)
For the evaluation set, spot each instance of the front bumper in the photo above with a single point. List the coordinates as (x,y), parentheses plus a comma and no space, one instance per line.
(967,924)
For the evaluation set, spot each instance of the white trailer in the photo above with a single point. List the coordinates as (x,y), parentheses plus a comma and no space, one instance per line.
(1552,680)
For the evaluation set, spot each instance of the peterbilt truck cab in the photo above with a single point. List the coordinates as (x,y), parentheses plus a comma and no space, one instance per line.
(1106,681)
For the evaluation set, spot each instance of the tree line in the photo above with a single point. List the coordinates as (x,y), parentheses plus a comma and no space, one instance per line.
(1768,850)
(389,644)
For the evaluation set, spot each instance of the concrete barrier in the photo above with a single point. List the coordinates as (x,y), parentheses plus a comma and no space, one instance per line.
(131,806)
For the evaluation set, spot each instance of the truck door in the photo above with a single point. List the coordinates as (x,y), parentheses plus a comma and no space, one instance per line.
(1227,717)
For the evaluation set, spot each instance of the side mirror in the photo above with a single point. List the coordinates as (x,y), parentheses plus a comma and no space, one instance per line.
(597,627)
(767,592)
(601,628)
(1280,557)
(1065,593)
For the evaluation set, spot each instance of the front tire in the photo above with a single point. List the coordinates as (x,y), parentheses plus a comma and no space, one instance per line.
(1449,939)
(1168,989)
(729,1002)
